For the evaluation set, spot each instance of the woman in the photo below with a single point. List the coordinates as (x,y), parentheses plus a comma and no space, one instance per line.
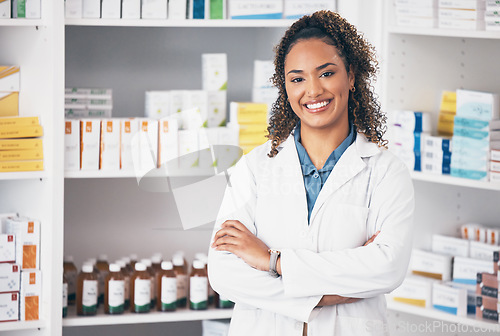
(315,226)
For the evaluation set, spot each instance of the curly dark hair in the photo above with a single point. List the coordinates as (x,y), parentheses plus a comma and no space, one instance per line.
(357,54)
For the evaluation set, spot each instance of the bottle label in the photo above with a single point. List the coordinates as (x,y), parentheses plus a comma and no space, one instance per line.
(65,299)
(89,296)
(71,278)
(142,295)
(182,287)
(116,296)
(198,293)
(168,293)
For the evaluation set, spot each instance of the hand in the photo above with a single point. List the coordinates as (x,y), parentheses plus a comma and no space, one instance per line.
(372,238)
(234,237)
(330,300)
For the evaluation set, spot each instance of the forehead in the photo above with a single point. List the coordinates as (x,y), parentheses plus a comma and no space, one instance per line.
(309,51)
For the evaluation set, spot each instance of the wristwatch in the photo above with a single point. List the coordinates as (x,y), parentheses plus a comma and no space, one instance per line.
(273,261)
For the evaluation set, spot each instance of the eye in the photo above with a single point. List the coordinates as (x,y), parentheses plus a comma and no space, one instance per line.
(327,74)
(297,80)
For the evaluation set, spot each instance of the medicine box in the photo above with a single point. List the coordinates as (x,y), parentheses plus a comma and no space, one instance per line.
(9,307)
(90,133)
(10,277)
(72,145)
(194,109)
(111,9)
(157,104)
(154,9)
(33,9)
(168,152)
(27,232)
(295,9)
(465,269)
(431,265)
(413,121)
(30,295)
(449,299)
(486,308)
(188,149)
(436,144)
(450,245)
(5,9)
(459,14)
(477,105)
(416,3)
(9,78)
(255,9)
(148,144)
(263,70)
(177,9)
(217,108)
(415,291)
(129,130)
(487,284)
(214,72)
(110,145)
(7,248)
(462,4)
(73,9)
(416,11)
(483,251)
(91,9)
(131,9)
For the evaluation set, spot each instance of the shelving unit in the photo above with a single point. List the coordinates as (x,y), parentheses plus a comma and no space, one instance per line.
(418,65)
(178,23)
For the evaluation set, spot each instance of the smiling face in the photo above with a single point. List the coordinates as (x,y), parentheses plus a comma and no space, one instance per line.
(317,85)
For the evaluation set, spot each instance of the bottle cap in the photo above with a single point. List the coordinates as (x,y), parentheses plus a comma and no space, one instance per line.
(146,262)
(87,268)
(156,259)
(140,266)
(133,256)
(198,264)
(68,258)
(91,261)
(114,268)
(102,257)
(126,259)
(166,265)
(201,256)
(178,260)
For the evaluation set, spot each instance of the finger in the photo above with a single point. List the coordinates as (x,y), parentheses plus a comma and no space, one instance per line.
(235,224)
(227,231)
(227,240)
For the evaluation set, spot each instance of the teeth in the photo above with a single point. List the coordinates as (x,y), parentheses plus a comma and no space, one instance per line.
(317,105)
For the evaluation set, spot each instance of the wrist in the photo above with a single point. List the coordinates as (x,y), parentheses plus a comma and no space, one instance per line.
(273,262)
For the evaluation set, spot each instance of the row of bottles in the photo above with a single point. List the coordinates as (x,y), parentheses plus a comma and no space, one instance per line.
(147,285)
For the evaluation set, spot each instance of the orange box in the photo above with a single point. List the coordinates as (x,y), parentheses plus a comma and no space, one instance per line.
(27,232)
(31,290)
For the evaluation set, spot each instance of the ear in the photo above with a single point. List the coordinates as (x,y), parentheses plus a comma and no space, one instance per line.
(351,76)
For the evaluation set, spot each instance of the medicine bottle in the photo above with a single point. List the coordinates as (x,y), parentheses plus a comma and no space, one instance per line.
(132,261)
(211,293)
(152,274)
(126,277)
(65,297)
(222,302)
(114,291)
(198,295)
(182,279)
(71,273)
(167,287)
(86,291)
(103,268)
(140,290)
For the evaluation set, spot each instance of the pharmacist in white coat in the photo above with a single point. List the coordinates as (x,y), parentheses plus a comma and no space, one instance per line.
(315,225)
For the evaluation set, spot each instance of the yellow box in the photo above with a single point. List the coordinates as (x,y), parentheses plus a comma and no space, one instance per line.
(21,166)
(19,155)
(30,295)
(19,144)
(19,121)
(9,104)
(248,113)
(9,78)
(445,123)
(15,132)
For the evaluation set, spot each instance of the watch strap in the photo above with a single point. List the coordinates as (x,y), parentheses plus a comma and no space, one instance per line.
(273,260)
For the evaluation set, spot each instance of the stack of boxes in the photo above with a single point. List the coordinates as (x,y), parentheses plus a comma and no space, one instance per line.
(9,90)
(462,14)
(436,154)
(263,89)
(416,13)
(472,137)
(405,132)
(447,112)
(20,283)
(21,146)
(20,9)
(88,103)
(251,119)
(492,15)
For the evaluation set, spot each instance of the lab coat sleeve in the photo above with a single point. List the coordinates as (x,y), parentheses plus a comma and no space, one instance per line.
(366,271)
(231,277)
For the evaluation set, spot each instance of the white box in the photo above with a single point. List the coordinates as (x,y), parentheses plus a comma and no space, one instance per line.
(131,9)
(255,9)
(414,290)
(177,9)
(462,4)
(9,78)
(148,144)
(111,9)
(479,105)
(3,220)
(449,299)
(9,307)
(7,248)
(30,295)
(492,236)
(168,151)
(483,251)
(410,21)
(214,72)
(416,11)
(10,277)
(465,269)
(262,73)
(450,245)
(431,265)
(129,129)
(90,132)
(194,109)
(88,93)
(208,137)
(494,177)
(460,14)
(216,108)
(295,9)
(412,121)
(5,9)
(110,144)
(73,9)
(33,9)
(495,166)
(154,9)
(91,9)
(416,3)
(72,145)
(495,155)
(227,150)
(157,104)
(27,232)
(188,148)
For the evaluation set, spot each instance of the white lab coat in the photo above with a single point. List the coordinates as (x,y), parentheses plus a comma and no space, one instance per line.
(368,190)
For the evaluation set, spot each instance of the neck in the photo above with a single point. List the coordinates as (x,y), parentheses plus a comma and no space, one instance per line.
(320,143)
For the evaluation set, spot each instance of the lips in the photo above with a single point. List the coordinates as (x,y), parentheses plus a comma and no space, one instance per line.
(317,105)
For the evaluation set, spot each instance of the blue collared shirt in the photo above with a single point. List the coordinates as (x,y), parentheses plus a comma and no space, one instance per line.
(314,179)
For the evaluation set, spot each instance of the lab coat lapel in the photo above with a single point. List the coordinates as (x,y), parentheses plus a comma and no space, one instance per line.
(349,165)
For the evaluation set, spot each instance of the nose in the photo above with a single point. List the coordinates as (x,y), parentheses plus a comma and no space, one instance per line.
(314,87)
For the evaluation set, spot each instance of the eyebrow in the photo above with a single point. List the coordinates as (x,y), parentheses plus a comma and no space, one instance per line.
(321,67)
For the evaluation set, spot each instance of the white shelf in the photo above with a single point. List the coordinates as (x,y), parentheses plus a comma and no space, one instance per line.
(432,313)
(129,174)
(72,320)
(456,181)
(23,175)
(178,23)
(21,325)
(21,22)
(483,34)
